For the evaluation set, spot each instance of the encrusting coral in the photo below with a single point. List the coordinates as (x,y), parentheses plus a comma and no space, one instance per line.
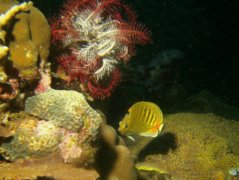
(206,145)
(24,46)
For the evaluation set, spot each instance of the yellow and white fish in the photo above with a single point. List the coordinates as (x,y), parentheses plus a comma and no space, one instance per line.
(143,118)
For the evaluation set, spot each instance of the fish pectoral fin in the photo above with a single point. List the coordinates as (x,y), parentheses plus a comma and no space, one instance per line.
(151,133)
(131,138)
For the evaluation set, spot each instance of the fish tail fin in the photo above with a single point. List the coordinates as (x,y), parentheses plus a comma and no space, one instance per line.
(160,127)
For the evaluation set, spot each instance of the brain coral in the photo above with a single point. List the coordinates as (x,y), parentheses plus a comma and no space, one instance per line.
(67,109)
(32,138)
(64,123)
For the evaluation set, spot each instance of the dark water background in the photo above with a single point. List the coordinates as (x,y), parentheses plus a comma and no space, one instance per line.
(207,32)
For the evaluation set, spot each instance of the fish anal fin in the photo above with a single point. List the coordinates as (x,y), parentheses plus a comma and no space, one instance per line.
(151,133)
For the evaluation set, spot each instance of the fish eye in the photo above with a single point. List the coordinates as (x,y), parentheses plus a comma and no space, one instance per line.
(126,126)
(123,125)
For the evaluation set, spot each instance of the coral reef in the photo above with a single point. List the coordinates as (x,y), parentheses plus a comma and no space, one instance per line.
(24,45)
(96,37)
(206,146)
(68,125)
(36,148)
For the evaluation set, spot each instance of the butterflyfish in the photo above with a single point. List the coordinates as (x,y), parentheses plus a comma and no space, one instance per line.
(143,118)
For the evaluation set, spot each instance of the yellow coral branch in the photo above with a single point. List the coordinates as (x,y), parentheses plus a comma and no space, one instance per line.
(4,18)
(3,51)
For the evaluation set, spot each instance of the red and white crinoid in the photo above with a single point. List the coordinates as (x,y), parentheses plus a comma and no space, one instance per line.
(96,36)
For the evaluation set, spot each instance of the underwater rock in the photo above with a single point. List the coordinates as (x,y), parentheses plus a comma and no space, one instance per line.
(48,168)
(114,161)
(166,57)
(109,135)
(206,102)
(206,144)
(123,168)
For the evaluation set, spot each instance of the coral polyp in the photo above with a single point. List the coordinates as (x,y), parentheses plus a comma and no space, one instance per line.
(96,36)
